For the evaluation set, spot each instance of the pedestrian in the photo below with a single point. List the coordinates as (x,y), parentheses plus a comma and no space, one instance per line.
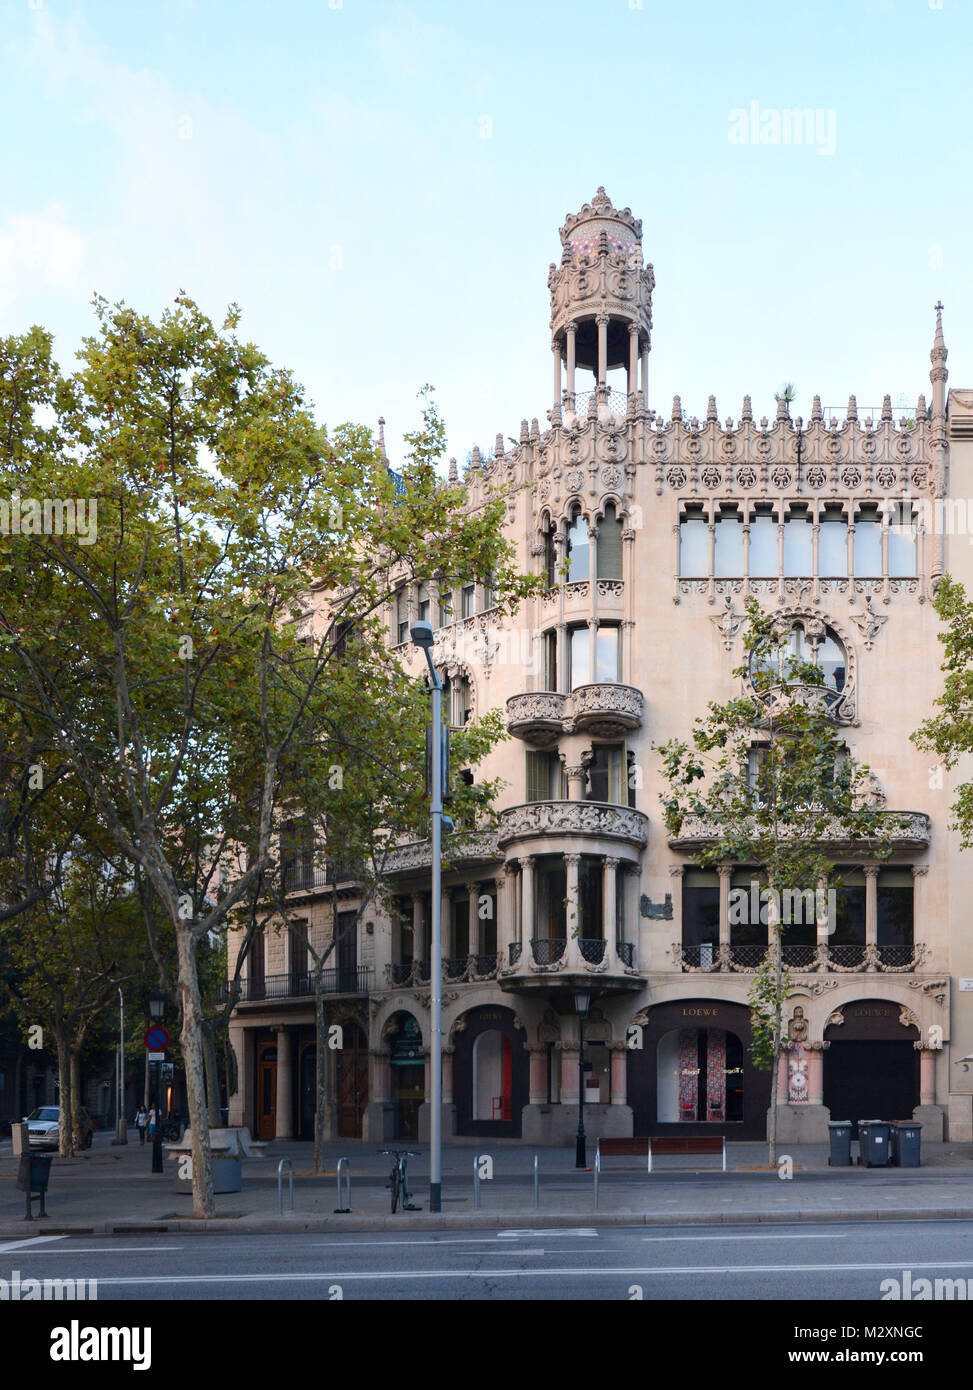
(152,1119)
(141,1121)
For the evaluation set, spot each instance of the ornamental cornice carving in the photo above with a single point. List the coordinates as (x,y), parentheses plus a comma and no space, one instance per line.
(904,828)
(605,709)
(418,855)
(573,818)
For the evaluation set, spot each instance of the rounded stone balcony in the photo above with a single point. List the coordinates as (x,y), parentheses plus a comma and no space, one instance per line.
(599,820)
(536,716)
(606,709)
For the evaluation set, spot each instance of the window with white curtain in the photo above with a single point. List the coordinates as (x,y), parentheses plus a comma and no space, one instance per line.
(868,543)
(693,544)
(903,540)
(728,543)
(833,544)
(764,562)
(798,549)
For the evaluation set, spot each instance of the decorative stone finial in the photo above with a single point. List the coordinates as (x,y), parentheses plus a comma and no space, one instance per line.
(381,437)
(938,376)
(453,471)
(921,408)
(783,408)
(535,433)
(711,409)
(676,408)
(852,408)
(498,450)
(816,409)
(524,435)
(593,405)
(476,459)
(886,407)
(747,414)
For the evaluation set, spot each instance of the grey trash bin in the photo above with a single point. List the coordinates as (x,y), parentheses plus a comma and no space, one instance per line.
(839,1135)
(906,1137)
(873,1137)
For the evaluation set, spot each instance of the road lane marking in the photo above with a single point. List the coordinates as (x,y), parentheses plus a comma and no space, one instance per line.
(548,1234)
(798,1235)
(95,1249)
(584,1272)
(32,1240)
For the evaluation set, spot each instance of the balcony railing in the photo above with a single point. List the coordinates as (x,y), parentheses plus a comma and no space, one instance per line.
(597,818)
(846,959)
(626,953)
(592,950)
(604,708)
(299,985)
(514,953)
(548,950)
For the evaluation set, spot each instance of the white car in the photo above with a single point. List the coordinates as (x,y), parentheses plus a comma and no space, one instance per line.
(42,1126)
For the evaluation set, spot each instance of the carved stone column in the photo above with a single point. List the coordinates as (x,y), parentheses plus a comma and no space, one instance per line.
(573,924)
(556,349)
(526,905)
(537,1094)
(475,944)
(725,870)
(284,1126)
(418,934)
(633,358)
(927,1074)
(577,777)
(571,334)
(815,1071)
(609,912)
(619,1073)
(448,1074)
(569,1072)
(602,322)
(645,376)
(871,904)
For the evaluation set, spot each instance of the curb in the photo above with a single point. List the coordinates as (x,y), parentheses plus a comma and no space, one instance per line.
(525,1219)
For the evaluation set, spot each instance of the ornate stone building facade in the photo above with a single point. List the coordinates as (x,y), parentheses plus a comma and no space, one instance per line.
(653,532)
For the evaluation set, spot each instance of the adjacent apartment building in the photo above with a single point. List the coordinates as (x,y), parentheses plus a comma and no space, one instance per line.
(652,531)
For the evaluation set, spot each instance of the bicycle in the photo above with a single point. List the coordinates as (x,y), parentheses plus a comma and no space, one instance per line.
(399,1178)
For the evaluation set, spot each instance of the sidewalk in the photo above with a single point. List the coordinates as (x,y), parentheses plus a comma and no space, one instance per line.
(112,1190)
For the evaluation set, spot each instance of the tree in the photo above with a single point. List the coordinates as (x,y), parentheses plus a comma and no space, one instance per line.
(155,646)
(768,780)
(949,734)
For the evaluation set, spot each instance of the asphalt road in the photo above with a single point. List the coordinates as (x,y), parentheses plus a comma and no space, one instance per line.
(840,1261)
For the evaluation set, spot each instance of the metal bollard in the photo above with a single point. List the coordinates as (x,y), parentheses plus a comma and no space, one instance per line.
(597,1173)
(344,1166)
(476,1182)
(537,1182)
(280,1184)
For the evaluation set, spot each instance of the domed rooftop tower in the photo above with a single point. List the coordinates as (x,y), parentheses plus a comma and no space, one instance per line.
(601,304)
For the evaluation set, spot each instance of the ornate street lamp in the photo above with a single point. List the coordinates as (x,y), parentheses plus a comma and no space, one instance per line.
(582,1000)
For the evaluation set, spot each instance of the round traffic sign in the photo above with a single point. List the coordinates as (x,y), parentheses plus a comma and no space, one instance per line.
(156,1038)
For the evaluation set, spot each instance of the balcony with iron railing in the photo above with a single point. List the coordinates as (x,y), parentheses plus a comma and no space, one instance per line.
(607,709)
(457,970)
(300,984)
(856,958)
(560,961)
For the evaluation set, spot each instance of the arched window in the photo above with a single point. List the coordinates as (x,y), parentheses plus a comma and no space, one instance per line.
(609,545)
(806,645)
(578,549)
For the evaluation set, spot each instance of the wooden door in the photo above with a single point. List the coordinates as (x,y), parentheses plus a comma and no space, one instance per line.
(352,1081)
(267,1092)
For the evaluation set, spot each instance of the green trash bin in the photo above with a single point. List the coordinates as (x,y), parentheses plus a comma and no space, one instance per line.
(839,1137)
(873,1139)
(906,1137)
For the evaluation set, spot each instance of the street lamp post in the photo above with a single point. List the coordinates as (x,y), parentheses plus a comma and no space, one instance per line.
(121,1129)
(582,999)
(421,634)
(157,1008)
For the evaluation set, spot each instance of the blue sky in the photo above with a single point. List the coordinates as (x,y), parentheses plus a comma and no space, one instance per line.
(380,187)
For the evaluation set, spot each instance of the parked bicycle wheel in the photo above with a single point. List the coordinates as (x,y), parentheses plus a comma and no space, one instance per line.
(395,1188)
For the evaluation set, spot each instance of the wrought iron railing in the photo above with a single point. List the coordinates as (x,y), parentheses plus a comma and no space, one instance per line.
(747,957)
(844,958)
(592,949)
(300,984)
(514,952)
(626,953)
(615,401)
(548,950)
(798,957)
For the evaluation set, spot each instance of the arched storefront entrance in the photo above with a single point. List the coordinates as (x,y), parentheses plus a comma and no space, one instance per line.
(491,1073)
(693,1073)
(351,1080)
(408,1075)
(871,1066)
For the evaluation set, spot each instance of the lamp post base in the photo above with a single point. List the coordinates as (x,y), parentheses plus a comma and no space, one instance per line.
(581,1152)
